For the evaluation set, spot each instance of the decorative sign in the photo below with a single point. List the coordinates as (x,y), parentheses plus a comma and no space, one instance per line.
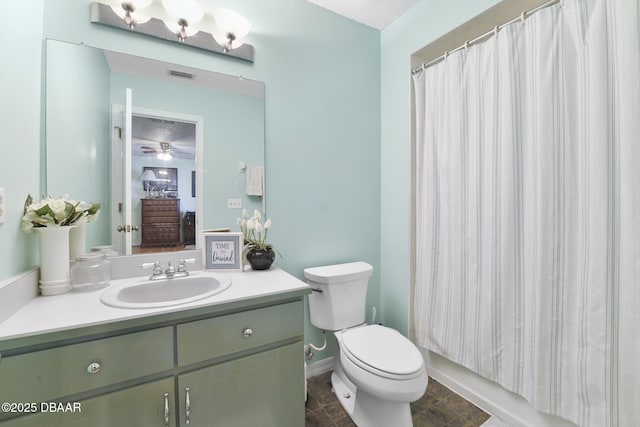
(223,251)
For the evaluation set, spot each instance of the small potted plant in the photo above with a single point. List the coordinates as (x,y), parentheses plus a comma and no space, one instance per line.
(259,253)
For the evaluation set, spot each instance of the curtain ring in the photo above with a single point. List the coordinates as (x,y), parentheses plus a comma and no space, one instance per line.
(495,30)
(523,16)
(466,44)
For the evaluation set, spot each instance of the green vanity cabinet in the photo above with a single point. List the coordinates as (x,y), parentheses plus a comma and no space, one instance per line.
(257,390)
(234,366)
(142,405)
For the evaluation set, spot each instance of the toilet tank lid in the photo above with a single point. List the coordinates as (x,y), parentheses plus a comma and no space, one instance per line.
(339,272)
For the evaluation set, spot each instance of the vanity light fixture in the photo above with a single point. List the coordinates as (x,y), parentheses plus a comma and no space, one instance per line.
(186,22)
(186,14)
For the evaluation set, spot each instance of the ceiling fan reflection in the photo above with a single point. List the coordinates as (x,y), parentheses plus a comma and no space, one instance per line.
(164,152)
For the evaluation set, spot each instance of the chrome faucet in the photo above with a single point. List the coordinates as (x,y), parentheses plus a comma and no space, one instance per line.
(171,271)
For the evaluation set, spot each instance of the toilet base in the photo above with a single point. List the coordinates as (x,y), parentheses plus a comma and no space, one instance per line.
(366,410)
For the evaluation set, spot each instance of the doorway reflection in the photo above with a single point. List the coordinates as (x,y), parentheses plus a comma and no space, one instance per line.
(163,173)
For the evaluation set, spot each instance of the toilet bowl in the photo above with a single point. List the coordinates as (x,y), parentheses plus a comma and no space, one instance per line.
(383,362)
(377,371)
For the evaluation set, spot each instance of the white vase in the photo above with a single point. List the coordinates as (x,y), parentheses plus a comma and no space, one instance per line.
(77,240)
(54,260)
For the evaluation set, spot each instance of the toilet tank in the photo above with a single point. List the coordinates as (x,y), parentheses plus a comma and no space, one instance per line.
(340,294)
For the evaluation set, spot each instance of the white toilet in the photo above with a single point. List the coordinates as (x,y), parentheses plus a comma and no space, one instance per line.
(377,371)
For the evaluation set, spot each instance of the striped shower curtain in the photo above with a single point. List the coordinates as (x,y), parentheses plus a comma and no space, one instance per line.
(528,210)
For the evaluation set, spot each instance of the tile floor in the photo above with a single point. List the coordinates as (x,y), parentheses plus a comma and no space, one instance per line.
(439,407)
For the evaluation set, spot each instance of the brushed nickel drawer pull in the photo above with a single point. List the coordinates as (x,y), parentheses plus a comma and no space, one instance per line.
(187,405)
(247,332)
(166,410)
(93,368)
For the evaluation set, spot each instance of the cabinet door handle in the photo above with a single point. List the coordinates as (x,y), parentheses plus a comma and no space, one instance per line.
(166,410)
(187,405)
(247,332)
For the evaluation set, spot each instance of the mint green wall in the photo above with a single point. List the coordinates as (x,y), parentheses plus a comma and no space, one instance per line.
(422,24)
(78,131)
(20,84)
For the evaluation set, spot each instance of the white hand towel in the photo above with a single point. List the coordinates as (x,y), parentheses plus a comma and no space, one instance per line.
(255,180)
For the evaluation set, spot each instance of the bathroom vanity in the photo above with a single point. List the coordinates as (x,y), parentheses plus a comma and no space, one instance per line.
(233,359)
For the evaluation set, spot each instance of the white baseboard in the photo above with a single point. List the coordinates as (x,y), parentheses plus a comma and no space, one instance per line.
(319,367)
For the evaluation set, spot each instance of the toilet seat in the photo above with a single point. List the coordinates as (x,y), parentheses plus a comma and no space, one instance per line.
(382,351)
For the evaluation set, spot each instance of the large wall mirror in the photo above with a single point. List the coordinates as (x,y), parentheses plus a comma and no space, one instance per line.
(164,148)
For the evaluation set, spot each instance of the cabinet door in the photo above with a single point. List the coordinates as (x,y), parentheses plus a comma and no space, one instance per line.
(264,389)
(142,405)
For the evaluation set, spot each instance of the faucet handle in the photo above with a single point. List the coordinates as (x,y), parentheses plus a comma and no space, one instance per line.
(155,265)
(182,264)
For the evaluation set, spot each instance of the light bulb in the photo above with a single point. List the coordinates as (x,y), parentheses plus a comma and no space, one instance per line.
(231,29)
(129,11)
(185,14)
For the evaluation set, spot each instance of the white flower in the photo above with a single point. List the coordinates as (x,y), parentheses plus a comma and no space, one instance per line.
(254,231)
(51,212)
(245,214)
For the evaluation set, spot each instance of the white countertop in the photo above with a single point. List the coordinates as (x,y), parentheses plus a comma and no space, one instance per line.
(45,314)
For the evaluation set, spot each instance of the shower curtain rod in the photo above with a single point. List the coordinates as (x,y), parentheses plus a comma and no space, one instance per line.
(484,36)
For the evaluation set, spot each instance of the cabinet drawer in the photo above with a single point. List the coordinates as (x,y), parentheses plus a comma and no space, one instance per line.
(159,203)
(161,217)
(160,234)
(211,338)
(161,229)
(61,371)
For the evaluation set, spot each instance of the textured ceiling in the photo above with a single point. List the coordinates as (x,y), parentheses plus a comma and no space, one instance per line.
(148,133)
(374,13)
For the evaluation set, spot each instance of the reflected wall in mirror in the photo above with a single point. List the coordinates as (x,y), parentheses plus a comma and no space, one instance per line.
(85,125)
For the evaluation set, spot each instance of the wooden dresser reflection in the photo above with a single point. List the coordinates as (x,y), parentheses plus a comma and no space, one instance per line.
(160,222)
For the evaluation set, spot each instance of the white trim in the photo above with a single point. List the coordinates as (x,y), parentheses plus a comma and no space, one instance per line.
(319,367)
(487,395)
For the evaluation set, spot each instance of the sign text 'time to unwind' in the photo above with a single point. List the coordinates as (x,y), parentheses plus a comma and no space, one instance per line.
(223,252)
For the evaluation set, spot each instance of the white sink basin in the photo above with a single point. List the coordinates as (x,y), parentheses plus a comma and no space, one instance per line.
(144,293)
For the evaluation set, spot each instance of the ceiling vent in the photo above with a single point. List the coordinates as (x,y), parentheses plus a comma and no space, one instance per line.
(182,74)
